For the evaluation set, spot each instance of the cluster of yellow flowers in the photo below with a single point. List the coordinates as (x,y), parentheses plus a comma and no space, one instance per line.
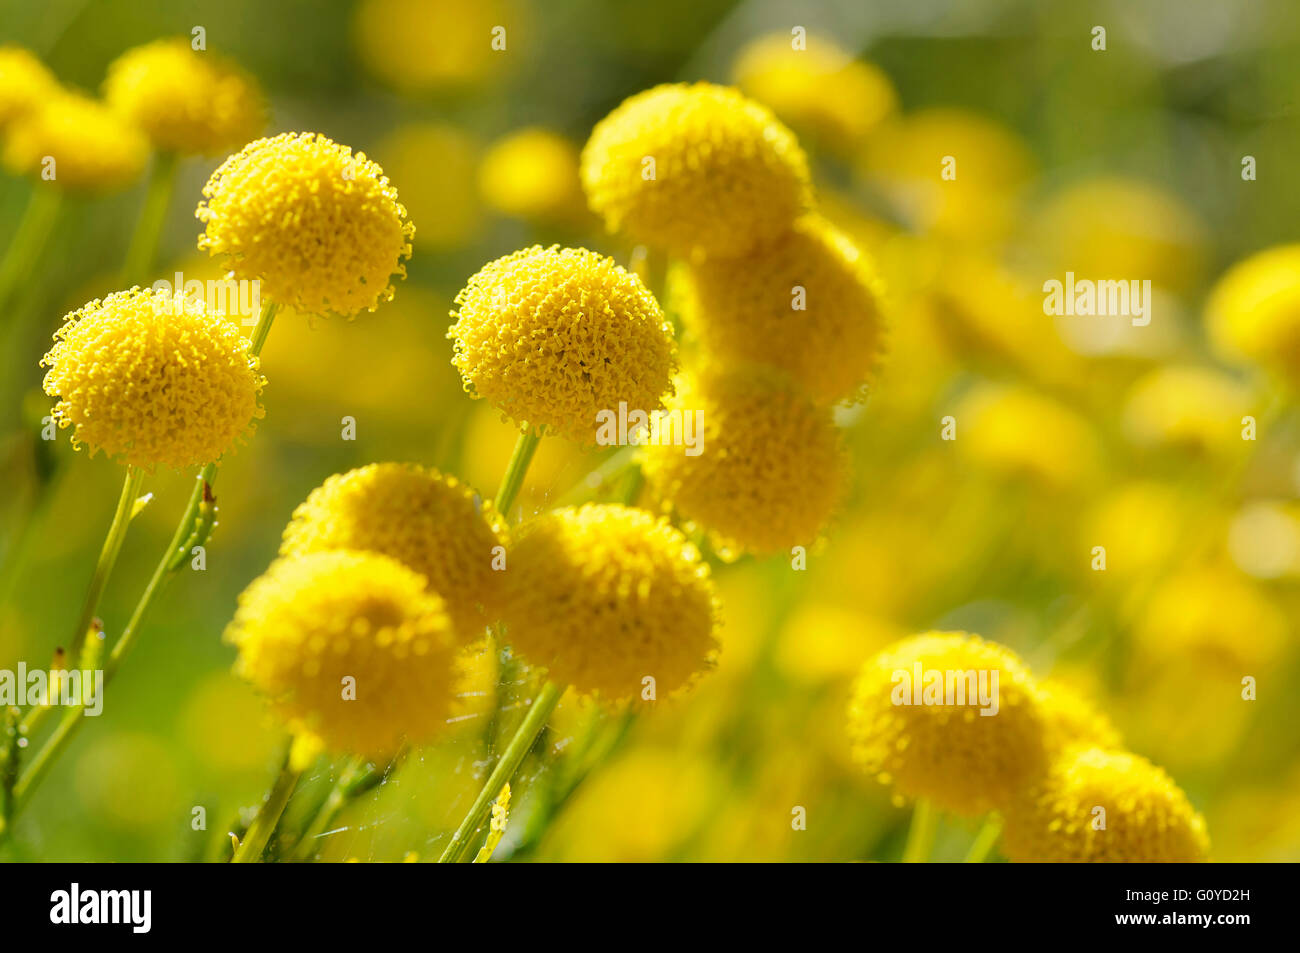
(1032,751)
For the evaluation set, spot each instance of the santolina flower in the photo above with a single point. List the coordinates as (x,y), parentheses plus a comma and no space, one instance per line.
(349,647)
(152,379)
(552,336)
(808,303)
(695,168)
(773,469)
(606,596)
(532,174)
(1253,313)
(431,523)
(941,746)
(1147,818)
(185,101)
(77,143)
(320,227)
(24,83)
(420,46)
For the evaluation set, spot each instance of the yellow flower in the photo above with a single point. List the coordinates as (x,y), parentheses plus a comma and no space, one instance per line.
(432,523)
(437,165)
(808,303)
(552,336)
(1253,312)
(420,46)
(943,748)
(798,83)
(1196,408)
(184,100)
(770,471)
(1147,819)
(695,168)
(150,378)
(1144,527)
(350,647)
(24,83)
(607,596)
(321,228)
(1016,432)
(1070,721)
(533,174)
(92,149)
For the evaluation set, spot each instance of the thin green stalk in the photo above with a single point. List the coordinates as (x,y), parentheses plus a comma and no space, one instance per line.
(920,836)
(984,841)
(506,766)
(107,559)
(513,480)
(29,241)
(143,249)
(268,815)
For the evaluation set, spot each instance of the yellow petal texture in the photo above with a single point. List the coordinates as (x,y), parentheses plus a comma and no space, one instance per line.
(315,629)
(695,168)
(808,303)
(321,228)
(772,469)
(606,596)
(153,379)
(552,336)
(1148,818)
(185,100)
(433,524)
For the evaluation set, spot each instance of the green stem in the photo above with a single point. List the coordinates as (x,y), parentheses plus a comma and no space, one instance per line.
(107,558)
(506,766)
(516,470)
(29,241)
(268,815)
(920,836)
(984,841)
(143,249)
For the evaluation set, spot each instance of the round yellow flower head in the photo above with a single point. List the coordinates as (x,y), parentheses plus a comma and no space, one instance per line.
(532,174)
(24,83)
(605,596)
(321,228)
(77,143)
(808,303)
(350,647)
(431,523)
(768,468)
(1148,818)
(185,100)
(695,168)
(553,336)
(1253,312)
(795,84)
(152,378)
(1071,721)
(1193,408)
(918,721)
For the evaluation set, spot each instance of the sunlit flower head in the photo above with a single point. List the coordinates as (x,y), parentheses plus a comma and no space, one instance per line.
(939,746)
(606,597)
(151,379)
(1253,312)
(1070,720)
(24,83)
(431,523)
(533,174)
(809,303)
(349,647)
(695,168)
(320,227)
(1096,805)
(797,83)
(553,336)
(1190,408)
(76,143)
(185,100)
(770,470)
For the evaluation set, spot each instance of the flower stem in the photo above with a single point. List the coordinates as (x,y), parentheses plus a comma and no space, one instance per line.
(28,241)
(513,480)
(984,841)
(107,558)
(506,766)
(920,836)
(144,242)
(268,815)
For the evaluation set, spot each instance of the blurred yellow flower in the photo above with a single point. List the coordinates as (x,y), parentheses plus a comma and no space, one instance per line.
(428,46)
(437,165)
(533,174)
(1253,312)
(1144,526)
(820,89)
(1192,408)
(24,83)
(77,143)
(1070,720)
